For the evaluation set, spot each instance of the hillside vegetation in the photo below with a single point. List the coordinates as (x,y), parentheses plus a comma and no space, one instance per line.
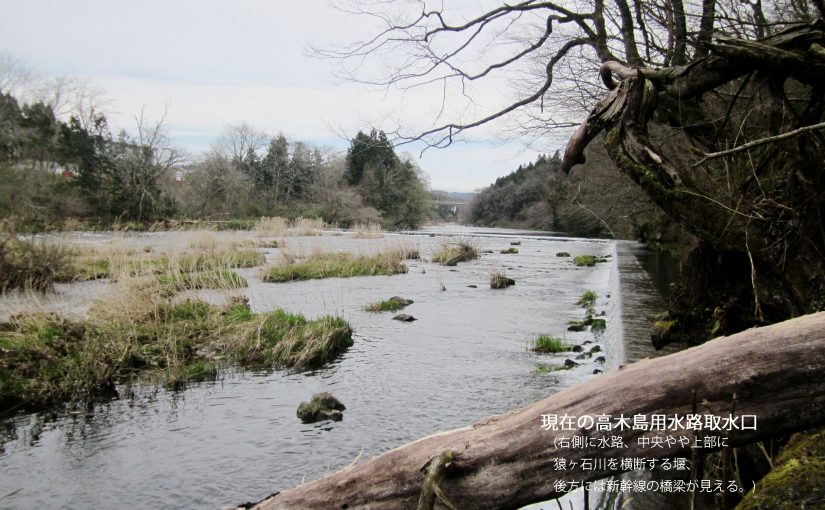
(594,200)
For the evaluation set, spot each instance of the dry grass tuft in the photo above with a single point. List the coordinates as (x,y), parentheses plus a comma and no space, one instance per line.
(450,254)
(368,230)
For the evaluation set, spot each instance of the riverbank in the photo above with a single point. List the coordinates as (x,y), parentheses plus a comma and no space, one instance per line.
(465,358)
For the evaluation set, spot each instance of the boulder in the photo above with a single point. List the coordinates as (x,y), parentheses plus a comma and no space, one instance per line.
(501,282)
(322,406)
(401,302)
(403,317)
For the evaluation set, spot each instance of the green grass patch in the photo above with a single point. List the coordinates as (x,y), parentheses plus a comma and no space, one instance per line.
(383,306)
(584,260)
(392,304)
(545,368)
(238,311)
(588,260)
(549,344)
(598,325)
(509,251)
(588,299)
(336,265)
(83,269)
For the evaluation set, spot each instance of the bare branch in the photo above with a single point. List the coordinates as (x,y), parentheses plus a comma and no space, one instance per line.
(761,141)
(453,129)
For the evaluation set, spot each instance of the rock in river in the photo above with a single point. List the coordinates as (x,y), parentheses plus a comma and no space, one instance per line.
(403,317)
(401,302)
(322,406)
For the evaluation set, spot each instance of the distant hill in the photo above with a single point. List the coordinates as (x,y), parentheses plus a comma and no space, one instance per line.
(594,200)
(521,198)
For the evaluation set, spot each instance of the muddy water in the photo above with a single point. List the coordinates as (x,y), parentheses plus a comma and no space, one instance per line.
(238,439)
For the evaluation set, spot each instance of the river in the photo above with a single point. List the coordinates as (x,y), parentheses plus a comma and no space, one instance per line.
(236,439)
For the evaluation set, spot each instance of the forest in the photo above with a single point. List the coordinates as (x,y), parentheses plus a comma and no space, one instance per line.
(60,170)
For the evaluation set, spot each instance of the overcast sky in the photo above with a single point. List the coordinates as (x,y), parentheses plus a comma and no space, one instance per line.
(211,63)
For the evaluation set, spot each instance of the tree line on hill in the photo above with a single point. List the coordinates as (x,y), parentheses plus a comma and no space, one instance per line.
(53,169)
(593,201)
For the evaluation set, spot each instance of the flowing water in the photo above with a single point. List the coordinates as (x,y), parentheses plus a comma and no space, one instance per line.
(238,439)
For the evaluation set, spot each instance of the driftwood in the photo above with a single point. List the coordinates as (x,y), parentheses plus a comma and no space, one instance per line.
(776,373)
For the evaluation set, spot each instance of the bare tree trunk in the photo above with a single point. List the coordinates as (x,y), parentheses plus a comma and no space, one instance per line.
(705,28)
(506,461)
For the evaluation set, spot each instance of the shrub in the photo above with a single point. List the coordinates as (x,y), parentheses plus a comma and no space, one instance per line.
(548,344)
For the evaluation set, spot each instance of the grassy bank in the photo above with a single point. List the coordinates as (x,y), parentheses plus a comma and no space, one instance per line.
(143,334)
(337,265)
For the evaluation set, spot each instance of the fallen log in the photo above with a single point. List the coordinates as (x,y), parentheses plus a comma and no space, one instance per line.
(775,373)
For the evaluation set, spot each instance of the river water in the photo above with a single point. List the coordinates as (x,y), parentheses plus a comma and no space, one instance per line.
(237,439)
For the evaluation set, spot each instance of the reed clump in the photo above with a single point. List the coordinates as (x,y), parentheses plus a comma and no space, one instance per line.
(500,280)
(30,264)
(275,226)
(307,226)
(367,230)
(271,226)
